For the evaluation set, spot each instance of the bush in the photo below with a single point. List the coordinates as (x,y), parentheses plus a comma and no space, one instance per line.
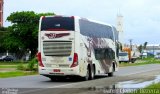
(20,67)
(32,65)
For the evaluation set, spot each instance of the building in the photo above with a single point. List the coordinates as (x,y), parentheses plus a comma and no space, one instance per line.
(153,48)
(1,13)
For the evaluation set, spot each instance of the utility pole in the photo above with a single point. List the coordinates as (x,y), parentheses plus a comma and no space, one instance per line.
(130,41)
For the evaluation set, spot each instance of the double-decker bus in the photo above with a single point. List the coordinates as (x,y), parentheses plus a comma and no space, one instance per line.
(74,46)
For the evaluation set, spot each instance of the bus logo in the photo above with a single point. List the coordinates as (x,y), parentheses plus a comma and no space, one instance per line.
(54,35)
(51,35)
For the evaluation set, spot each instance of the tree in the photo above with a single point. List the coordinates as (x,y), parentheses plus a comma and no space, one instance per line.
(2,34)
(145,45)
(3,29)
(23,34)
(140,48)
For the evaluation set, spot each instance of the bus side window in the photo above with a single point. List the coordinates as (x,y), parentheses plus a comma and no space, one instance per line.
(100,53)
(106,54)
(97,55)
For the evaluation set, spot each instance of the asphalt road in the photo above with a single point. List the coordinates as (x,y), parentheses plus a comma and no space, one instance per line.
(42,85)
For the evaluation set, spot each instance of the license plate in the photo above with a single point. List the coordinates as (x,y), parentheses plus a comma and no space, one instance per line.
(56,70)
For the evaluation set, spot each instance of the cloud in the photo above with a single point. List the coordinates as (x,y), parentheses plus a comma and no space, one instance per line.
(141,17)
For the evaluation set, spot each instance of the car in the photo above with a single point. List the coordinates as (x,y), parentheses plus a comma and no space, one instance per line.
(7,58)
(123,57)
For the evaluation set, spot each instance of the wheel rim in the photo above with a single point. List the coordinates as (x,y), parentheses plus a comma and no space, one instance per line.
(92,74)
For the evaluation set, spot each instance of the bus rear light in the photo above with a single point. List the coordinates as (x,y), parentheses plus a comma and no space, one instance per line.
(72,17)
(75,60)
(43,17)
(39,59)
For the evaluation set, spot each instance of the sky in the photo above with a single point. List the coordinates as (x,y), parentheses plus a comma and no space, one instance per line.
(141,18)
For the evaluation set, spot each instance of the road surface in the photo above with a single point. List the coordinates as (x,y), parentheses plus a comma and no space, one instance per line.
(42,85)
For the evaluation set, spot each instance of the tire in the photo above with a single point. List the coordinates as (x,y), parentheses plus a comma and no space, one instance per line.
(87,76)
(57,78)
(52,78)
(111,73)
(90,74)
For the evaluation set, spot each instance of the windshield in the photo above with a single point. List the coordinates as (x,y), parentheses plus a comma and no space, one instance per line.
(3,56)
(57,24)
(123,54)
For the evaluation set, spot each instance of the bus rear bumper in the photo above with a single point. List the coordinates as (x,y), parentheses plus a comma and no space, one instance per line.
(58,71)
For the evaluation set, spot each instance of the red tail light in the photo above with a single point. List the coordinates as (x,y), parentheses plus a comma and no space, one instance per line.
(40,59)
(43,17)
(72,17)
(75,60)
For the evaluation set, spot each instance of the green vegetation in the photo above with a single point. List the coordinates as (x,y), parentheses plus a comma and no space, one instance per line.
(18,68)
(12,63)
(30,66)
(33,65)
(141,62)
(8,66)
(22,36)
(142,47)
(16,73)
(151,89)
(157,85)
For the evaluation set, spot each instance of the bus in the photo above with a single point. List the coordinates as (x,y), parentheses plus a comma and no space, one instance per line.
(78,47)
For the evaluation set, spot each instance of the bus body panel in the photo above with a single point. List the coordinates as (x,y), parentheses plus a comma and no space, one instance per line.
(84,46)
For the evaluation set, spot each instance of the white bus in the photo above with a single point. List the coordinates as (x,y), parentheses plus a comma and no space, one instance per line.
(74,46)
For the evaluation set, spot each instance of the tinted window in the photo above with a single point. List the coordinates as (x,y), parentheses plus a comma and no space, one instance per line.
(123,54)
(57,23)
(93,29)
(104,53)
(115,33)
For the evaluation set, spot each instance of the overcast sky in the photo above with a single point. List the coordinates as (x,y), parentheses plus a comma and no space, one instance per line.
(141,17)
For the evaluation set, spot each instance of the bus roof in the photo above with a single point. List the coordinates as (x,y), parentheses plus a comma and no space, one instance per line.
(99,22)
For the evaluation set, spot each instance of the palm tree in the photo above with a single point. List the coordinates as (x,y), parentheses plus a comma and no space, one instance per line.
(145,45)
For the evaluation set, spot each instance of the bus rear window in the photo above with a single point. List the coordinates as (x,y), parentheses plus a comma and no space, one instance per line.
(57,24)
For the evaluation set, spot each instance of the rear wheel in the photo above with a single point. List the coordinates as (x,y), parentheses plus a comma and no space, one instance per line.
(112,72)
(52,78)
(86,77)
(90,73)
(57,78)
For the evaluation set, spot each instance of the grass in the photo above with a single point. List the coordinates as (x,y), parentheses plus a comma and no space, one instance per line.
(16,73)
(151,89)
(141,62)
(157,85)
(8,66)
(11,63)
